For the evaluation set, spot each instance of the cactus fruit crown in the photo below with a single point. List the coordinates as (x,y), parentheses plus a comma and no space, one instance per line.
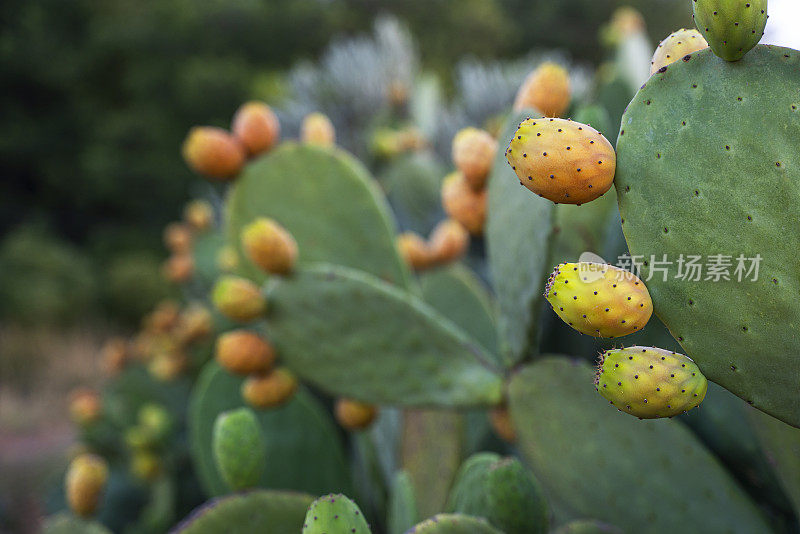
(562,160)
(599,300)
(649,382)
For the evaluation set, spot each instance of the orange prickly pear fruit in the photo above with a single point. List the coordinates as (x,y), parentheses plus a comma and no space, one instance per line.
(238,298)
(502,425)
(213,152)
(115,355)
(561,160)
(166,367)
(256,126)
(178,238)
(86,478)
(163,318)
(317,129)
(448,242)
(199,214)
(546,89)
(649,382)
(598,299)
(473,155)
(675,46)
(270,246)
(195,323)
(243,352)
(354,415)
(463,204)
(179,268)
(269,390)
(414,251)
(85,406)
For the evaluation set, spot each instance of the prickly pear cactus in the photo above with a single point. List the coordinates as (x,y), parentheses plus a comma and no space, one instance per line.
(518,232)
(238,448)
(356,336)
(335,514)
(402,511)
(66,523)
(731,27)
(694,183)
(781,443)
(502,491)
(257,511)
(603,453)
(300,433)
(649,382)
(327,201)
(454,524)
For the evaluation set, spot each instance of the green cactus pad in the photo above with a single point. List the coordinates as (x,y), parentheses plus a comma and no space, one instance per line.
(644,476)
(693,179)
(731,27)
(66,523)
(587,526)
(205,252)
(238,448)
(781,444)
(328,202)
(271,512)
(402,513)
(518,231)
(454,524)
(335,514)
(301,439)
(356,336)
(413,183)
(431,453)
(458,294)
(502,491)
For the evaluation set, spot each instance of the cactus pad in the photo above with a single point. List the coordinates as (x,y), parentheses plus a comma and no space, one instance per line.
(644,476)
(694,180)
(454,524)
(335,514)
(355,336)
(327,201)
(66,523)
(278,512)
(781,444)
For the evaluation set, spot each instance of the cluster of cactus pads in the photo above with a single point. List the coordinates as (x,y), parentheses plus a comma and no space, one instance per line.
(455,411)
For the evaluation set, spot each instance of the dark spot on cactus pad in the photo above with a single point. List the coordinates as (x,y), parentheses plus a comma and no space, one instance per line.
(733,368)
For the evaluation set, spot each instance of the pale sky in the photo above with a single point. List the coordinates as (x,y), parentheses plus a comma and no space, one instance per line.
(783,27)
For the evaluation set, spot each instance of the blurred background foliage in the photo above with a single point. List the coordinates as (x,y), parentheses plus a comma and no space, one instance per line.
(97,96)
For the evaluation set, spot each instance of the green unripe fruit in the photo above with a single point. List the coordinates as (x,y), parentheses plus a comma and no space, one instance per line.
(238,447)
(335,514)
(649,382)
(731,27)
(454,524)
(155,421)
(501,490)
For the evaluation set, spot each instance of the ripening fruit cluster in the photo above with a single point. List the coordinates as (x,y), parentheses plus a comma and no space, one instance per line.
(198,218)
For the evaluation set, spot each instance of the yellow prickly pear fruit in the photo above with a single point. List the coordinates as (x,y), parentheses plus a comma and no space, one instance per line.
(546,89)
(317,129)
(167,367)
(270,246)
(679,44)
(502,425)
(115,354)
(199,214)
(178,238)
(625,22)
(269,390)
(179,268)
(145,465)
(599,300)
(86,478)
(243,352)
(227,259)
(256,126)
(448,242)
(463,204)
(238,298)
(473,155)
(354,415)
(649,382)
(213,152)
(85,406)
(414,251)
(195,323)
(561,160)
